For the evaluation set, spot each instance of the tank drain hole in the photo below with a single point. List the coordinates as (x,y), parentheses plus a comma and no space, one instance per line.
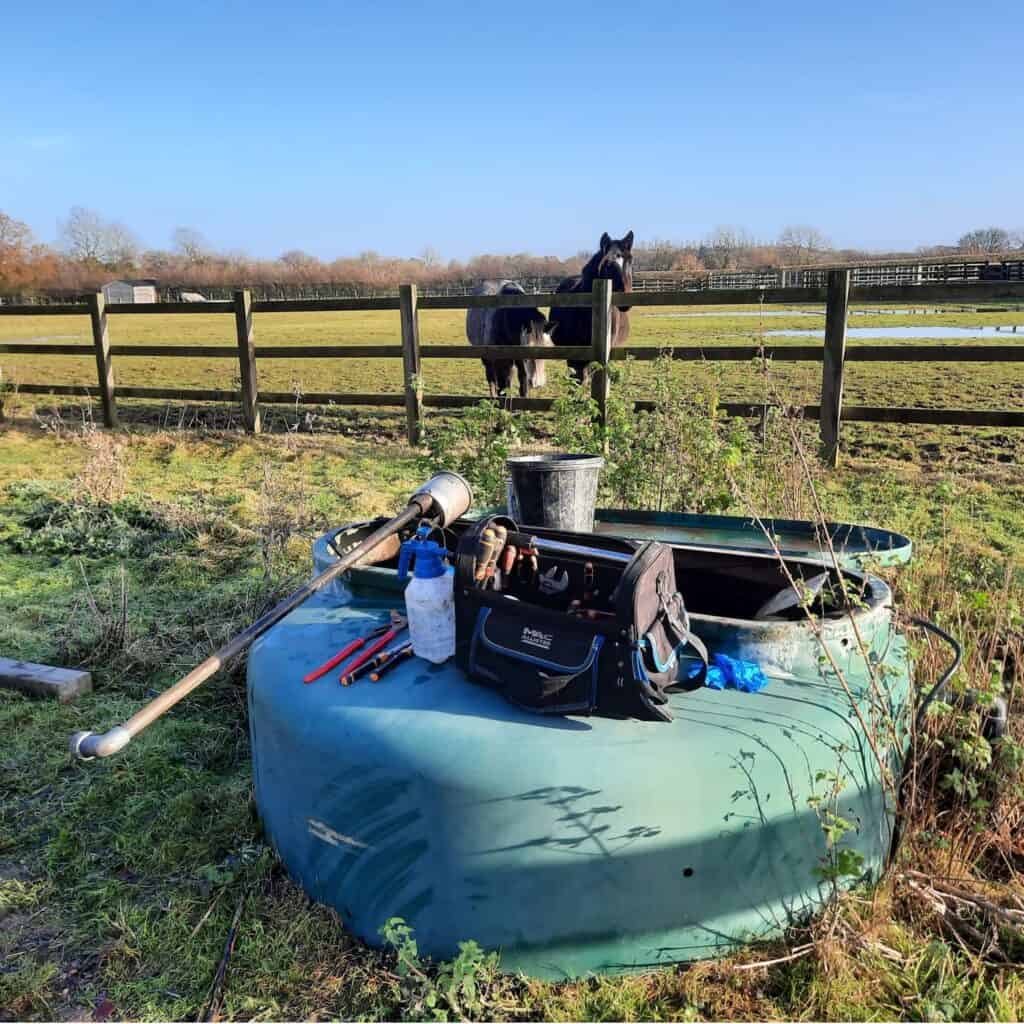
(687,872)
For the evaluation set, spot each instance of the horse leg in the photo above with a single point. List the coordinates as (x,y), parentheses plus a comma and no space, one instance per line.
(581,371)
(492,387)
(503,374)
(524,367)
(537,373)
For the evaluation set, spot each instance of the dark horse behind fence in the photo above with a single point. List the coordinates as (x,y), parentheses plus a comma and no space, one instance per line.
(613,261)
(509,325)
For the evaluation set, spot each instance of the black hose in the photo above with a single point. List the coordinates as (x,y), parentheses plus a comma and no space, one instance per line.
(897,831)
(946,676)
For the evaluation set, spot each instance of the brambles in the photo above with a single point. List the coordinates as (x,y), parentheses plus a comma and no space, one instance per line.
(840,863)
(44,521)
(455,988)
(476,445)
(676,456)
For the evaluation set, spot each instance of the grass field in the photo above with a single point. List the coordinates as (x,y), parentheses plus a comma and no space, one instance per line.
(136,552)
(934,385)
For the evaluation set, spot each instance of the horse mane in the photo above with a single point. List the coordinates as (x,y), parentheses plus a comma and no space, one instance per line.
(589,271)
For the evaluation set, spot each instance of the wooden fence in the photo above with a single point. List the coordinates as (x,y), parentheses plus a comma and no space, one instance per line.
(833,354)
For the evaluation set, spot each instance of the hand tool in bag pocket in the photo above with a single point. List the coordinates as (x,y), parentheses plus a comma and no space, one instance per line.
(349,672)
(490,547)
(551,582)
(508,559)
(528,563)
(348,650)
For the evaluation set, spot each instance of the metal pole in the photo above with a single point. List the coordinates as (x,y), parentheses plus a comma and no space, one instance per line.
(447,495)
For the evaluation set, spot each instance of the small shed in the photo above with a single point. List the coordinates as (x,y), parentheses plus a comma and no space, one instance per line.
(139,290)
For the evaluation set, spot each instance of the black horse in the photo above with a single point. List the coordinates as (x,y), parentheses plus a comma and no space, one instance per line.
(509,325)
(613,261)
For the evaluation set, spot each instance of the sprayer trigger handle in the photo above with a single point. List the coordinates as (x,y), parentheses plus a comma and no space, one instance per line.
(404,557)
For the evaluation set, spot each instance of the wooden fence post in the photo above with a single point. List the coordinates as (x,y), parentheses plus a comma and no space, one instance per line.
(409,309)
(104,364)
(601,340)
(833,361)
(247,362)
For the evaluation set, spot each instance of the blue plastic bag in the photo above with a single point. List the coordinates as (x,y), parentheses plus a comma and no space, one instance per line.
(725,673)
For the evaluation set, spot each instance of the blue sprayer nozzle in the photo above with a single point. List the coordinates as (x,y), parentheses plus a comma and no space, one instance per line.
(426,556)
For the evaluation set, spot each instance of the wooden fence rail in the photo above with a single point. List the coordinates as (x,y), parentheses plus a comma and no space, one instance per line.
(834,354)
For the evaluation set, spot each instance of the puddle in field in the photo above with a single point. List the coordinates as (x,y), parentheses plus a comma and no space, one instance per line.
(910,332)
(746,312)
(933,312)
(821,312)
(42,337)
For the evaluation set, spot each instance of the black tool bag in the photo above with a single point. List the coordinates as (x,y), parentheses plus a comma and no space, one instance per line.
(542,654)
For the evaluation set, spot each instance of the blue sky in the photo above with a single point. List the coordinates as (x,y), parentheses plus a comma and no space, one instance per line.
(340,127)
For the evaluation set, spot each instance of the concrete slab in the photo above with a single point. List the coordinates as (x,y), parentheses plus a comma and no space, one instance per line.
(44,680)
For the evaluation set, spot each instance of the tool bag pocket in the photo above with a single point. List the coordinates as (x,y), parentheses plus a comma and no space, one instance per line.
(542,664)
(621,661)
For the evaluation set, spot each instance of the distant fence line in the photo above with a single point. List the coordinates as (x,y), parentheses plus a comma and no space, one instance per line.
(945,272)
(836,293)
(939,270)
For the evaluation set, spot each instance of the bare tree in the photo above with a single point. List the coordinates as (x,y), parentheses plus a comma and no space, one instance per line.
(687,262)
(301,266)
(83,234)
(722,248)
(122,245)
(191,244)
(157,261)
(658,254)
(985,240)
(89,238)
(297,259)
(802,242)
(431,257)
(14,234)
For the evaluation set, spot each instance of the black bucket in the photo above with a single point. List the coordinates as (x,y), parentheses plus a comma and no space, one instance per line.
(557,491)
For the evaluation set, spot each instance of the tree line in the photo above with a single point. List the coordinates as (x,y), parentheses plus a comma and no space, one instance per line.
(92,250)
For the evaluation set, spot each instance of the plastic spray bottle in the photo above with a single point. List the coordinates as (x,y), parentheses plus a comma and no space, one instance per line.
(429,597)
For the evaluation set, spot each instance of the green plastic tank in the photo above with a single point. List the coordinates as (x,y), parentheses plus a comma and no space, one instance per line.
(580,845)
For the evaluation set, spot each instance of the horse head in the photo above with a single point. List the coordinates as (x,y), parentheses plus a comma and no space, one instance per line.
(617,251)
(537,331)
(613,261)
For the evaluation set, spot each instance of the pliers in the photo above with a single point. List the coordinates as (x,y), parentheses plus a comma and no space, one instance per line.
(388,629)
